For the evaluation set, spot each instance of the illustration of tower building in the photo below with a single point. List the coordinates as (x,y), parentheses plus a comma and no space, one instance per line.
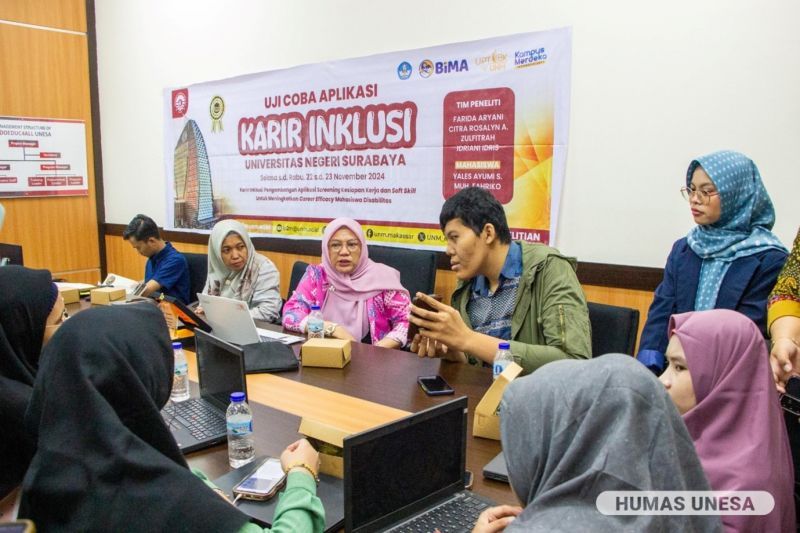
(194,198)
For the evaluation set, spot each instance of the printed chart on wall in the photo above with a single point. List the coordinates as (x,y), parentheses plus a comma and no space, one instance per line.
(42,157)
(383,139)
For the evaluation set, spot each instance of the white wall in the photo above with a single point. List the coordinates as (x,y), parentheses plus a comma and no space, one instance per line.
(654,85)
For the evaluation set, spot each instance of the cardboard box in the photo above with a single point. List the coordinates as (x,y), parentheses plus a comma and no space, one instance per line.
(487,414)
(106,295)
(329,353)
(331,460)
(71,296)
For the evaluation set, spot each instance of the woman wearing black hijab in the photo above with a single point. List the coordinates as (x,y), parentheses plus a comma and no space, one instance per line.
(30,312)
(105,460)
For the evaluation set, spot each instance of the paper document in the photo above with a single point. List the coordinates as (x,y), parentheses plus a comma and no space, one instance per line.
(279,336)
(80,286)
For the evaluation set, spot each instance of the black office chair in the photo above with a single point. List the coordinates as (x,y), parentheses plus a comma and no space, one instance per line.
(417,267)
(614,328)
(10,254)
(198,270)
(298,269)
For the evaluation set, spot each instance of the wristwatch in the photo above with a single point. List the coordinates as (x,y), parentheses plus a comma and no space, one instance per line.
(330,328)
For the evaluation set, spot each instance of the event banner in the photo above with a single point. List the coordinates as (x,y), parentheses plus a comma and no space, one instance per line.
(42,157)
(384,139)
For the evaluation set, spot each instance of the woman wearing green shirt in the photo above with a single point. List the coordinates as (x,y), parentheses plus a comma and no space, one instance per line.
(106,461)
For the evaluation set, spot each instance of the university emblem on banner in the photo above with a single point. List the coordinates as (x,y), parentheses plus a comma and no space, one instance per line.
(217,109)
(426,68)
(180,102)
(404,70)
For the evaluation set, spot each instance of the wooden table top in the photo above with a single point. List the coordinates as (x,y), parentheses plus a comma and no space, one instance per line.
(378,375)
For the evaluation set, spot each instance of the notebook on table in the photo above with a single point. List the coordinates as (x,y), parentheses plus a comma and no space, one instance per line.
(199,422)
(231,320)
(408,475)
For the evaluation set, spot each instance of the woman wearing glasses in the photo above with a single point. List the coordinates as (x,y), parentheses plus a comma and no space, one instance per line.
(31,311)
(359,298)
(730,260)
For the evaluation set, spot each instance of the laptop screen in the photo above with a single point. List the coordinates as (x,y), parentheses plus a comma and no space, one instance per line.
(221,369)
(393,471)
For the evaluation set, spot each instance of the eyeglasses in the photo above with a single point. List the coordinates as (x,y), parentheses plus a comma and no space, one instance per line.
(703,196)
(336,246)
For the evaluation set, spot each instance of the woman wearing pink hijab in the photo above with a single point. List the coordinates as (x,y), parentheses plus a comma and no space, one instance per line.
(720,379)
(357,295)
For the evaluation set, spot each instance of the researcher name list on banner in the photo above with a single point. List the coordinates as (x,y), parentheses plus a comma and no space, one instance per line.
(42,157)
(383,139)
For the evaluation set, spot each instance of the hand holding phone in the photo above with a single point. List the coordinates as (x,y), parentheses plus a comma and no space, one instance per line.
(262,484)
(434,385)
(413,329)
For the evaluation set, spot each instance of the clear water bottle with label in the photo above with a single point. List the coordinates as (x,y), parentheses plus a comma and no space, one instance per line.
(502,358)
(315,325)
(239,418)
(180,380)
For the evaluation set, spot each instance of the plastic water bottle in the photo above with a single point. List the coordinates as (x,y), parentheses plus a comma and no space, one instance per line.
(502,358)
(315,325)
(239,418)
(180,381)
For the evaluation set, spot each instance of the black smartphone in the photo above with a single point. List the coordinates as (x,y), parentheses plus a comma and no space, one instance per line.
(434,385)
(413,329)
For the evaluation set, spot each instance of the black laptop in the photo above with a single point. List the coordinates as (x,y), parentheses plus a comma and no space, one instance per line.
(199,423)
(408,475)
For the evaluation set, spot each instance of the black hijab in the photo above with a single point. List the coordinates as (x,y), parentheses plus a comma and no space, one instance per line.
(574,429)
(105,459)
(26,298)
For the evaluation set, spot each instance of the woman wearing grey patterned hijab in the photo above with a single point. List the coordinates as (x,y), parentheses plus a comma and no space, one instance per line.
(574,429)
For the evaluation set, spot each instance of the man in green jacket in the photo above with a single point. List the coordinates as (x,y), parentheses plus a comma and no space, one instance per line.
(507,290)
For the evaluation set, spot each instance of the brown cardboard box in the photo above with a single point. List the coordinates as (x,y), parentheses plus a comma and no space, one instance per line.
(329,353)
(333,440)
(106,295)
(71,296)
(487,417)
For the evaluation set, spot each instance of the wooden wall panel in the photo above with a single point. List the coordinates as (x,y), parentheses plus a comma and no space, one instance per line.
(45,74)
(62,14)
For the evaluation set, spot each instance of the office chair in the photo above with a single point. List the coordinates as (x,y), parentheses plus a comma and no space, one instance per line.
(10,254)
(417,267)
(298,269)
(198,270)
(614,329)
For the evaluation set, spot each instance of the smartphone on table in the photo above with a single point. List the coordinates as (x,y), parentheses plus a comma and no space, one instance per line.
(263,483)
(413,329)
(434,385)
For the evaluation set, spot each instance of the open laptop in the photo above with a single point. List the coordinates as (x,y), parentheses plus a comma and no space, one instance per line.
(199,423)
(231,320)
(408,475)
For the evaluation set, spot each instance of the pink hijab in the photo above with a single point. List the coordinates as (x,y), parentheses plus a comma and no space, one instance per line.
(348,293)
(737,425)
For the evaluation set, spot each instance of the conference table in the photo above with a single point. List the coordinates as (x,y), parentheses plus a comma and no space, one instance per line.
(381,380)
(378,375)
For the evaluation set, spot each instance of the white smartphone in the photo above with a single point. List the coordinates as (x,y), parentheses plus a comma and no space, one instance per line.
(262,484)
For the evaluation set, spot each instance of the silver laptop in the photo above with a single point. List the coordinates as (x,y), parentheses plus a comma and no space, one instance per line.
(231,321)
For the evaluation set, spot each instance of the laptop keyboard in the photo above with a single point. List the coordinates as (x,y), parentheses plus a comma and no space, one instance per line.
(202,420)
(455,515)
